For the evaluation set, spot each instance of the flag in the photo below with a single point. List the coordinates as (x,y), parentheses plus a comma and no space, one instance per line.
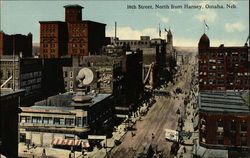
(206,25)
(159,30)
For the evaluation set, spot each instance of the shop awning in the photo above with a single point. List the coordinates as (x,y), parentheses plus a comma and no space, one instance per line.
(70,142)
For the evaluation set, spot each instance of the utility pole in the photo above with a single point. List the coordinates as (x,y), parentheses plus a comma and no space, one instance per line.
(13,68)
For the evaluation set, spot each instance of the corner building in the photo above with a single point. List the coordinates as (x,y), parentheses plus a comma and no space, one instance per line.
(72,37)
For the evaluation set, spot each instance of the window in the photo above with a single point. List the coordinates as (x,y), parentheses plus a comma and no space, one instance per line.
(233,139)
(69,121)
(71,74)
(48,120)
(74,44)
(52,51)
(243,141)
(220,125)
(233,126)
(74,51)
(81,44)
(59,121)
(25,119)
(85,122)
(65,74)
(220,139)
(79,122)
(45,50)
(45,44)
(71,84)
(36,120)
(243,127)
(52,44)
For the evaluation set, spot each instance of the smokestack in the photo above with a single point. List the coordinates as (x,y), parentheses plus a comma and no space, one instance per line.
(115,33)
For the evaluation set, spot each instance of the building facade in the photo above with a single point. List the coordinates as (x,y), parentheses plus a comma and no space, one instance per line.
(9,122)
(67,116)
(225,68)
(224,120)
(34,76)
(17,44)
(74,36)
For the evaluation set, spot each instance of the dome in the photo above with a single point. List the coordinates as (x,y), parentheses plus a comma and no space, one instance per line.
(82,99)
(204,41)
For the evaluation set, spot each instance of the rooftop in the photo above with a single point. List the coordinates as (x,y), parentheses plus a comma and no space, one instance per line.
(73,6)
(224,102)
(64,101)
(7,92)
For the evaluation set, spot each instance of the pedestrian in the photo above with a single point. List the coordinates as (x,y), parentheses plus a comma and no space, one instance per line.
(153,136)
(184,149)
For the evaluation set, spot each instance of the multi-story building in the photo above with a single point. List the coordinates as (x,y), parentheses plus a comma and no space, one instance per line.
(39,78)
(17,44)
(9,122)
(74,36)
(107,73)
(224,121)
(224,68)
(66,117)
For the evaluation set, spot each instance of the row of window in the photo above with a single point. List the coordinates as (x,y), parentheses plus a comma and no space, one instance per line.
(233,126)
(51,50)
(133,43)
(222,82)
(79,121)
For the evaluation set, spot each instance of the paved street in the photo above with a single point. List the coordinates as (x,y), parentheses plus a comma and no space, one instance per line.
(160,116)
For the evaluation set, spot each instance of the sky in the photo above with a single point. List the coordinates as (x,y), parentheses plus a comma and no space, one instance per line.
(227,26)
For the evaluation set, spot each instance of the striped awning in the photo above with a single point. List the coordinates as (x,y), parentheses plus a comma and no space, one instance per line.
(70,142)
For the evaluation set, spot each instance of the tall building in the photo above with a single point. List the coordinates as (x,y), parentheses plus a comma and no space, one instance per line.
(20,44)
(74,36)
(224,68)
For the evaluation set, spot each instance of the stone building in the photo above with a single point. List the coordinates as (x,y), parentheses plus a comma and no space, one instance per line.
(74,36)
(39,78)
(66,117)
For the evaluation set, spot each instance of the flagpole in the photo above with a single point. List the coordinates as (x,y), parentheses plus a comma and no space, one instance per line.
(204,26)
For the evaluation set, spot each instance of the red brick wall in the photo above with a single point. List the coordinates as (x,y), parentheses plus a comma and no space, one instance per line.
(233,68)
(211,128)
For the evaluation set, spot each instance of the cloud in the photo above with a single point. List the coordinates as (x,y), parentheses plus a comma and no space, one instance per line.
(184,42)
(207,15)
(236,26)
(218,42)
(129,33)
(163,19)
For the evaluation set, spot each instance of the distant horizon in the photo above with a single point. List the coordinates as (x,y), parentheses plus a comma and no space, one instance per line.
(224,26)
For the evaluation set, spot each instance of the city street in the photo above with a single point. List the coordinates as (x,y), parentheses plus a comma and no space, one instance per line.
(161,115)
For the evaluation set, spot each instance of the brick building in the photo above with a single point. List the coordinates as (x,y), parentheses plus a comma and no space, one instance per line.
(20,44)
(224,121)
(74,36)
(225,68)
